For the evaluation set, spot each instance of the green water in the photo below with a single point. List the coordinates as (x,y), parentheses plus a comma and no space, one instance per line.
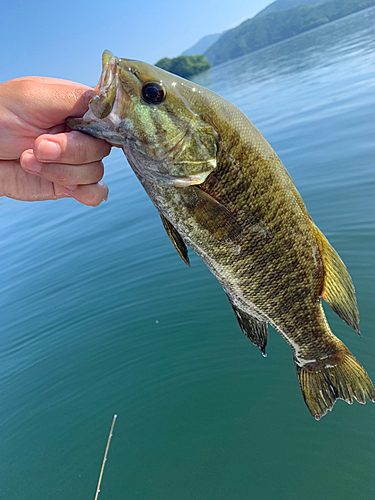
(100,316)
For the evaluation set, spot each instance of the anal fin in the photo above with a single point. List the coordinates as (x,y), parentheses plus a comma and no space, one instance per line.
(338,289)
(256,331)
(176,239)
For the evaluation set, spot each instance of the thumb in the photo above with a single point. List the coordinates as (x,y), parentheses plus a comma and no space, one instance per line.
(47,102)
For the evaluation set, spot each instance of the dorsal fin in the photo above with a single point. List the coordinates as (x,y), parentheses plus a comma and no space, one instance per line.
(256,331)
(338,289)
(176,239)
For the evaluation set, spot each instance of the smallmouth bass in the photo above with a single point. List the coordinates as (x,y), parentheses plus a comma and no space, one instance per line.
(221,189)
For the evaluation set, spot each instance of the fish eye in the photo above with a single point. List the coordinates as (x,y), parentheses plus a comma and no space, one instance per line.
(153,93)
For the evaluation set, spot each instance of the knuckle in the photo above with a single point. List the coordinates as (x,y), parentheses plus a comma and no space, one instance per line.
(24,86)
(75,150)
(62,176)
(83,149)
(99,172)
(106,148)
(79,152)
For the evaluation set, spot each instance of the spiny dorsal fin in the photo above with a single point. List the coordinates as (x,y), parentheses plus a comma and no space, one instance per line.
(256,331)
(338,289)
(176,239)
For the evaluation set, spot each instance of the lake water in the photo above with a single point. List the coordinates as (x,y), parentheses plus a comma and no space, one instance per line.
(100,316)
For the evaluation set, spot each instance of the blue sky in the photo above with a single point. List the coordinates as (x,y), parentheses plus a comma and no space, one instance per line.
(66,39)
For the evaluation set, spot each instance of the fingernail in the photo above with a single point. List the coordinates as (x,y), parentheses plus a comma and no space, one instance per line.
(105,195)
(48,150)
(30,163)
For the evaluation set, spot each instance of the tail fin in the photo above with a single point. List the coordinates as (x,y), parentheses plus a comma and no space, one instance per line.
(347,380)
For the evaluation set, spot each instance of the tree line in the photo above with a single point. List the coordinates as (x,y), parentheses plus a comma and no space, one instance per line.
(274,27)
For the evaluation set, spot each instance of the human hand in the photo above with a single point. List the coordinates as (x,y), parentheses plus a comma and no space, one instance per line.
(40,157)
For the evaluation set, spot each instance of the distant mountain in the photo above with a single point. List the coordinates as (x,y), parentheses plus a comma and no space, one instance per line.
(274,27)
(202,45)
(205,43)
(286,4)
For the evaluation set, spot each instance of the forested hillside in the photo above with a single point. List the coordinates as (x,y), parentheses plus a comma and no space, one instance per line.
(185,66)
(274,27)
(286,4)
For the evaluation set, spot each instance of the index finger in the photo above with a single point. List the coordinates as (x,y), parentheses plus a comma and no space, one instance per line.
(72,148)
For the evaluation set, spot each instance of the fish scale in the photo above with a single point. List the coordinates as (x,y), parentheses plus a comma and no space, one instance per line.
(221,189)
(263,198)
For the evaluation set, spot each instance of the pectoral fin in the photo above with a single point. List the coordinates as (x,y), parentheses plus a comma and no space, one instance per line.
(213,216)
(256,331)
(338,289)
(176,239)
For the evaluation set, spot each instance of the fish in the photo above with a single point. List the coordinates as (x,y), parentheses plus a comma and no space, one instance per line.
(221,190)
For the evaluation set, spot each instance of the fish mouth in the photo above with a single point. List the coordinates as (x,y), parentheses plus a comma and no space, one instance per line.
(111,98)
(109,65)
(108,108)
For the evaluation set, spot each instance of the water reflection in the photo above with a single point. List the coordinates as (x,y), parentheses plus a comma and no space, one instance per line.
(100,316)
(347,38)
